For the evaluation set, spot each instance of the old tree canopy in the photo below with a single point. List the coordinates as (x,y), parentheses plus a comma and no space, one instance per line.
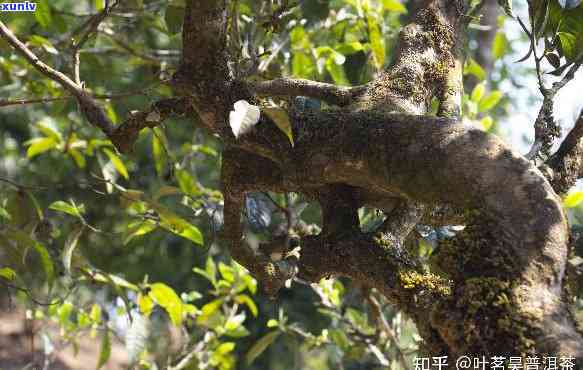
(395,143)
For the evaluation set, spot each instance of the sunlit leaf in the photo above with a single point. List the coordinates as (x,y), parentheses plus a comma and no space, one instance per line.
(478,92)
(65,207)
(394,6)
(99,4)
(235,321)
(487,123)
(158,151)
(186,182)
(568,43)
(7,273)
(573,199)
(40,145)
(145,304)
(167,298)
(248,301)
(109,279)
(95,313)
(474,69)
(281,119)
(500,45)
(105,351)
(490,101)
(376,41)
(117,163)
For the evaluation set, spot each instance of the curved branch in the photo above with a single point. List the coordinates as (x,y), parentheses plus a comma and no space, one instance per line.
(331,94)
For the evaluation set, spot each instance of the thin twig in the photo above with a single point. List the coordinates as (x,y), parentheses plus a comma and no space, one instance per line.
(7,103)
(93,24)
(378,315)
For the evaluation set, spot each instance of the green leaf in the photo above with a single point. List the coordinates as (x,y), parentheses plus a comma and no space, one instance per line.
(146,304)
(340,338)
(65,207)
(376,42)
(117,163)
(7,273)
(70,246)
(302,65)
(43,13)
(174,17)
(568,42)
(24,239)
(49,131)
(158,151)
(4,214)
(40,145)
(95,313)
(109,279)
(507,6)
(99,5)
(234,322)
(487,123)
(260,346)
(186,182)
(350,48)
(394,6)
(225,348)
(500,45)
(272,323)
(142,228)
(245,299)
(77,157)
(474,69)
(179,226)
(490,101)
(105,351)
(167,298)
(478,92)
(227,272)
(573,199)
(210,315)
(281,119)
(337,72)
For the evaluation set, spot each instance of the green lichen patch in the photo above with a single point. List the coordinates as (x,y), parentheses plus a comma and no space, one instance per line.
(426,282)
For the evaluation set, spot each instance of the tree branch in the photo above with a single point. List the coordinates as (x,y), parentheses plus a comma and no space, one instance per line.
(122,136)
(332,94)
(567,162)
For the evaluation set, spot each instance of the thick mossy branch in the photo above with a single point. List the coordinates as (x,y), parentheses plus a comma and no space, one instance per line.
(360,155)
(331,94)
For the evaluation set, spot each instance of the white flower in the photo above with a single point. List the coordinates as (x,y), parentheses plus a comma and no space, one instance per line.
(243,117)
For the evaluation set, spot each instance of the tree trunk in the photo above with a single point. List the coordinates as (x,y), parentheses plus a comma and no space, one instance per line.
(497,287)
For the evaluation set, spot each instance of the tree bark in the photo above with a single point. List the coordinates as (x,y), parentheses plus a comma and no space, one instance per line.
(497,287)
